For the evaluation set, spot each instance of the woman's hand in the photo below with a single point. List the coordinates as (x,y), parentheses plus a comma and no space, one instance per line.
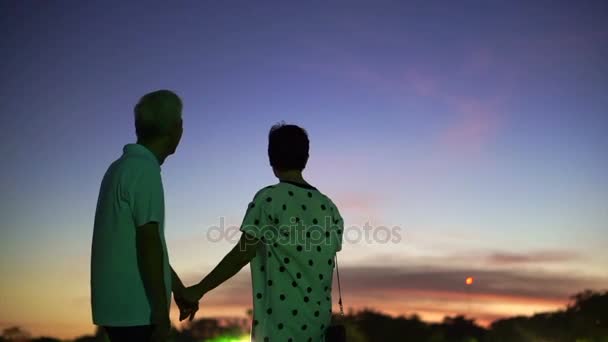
(188,302)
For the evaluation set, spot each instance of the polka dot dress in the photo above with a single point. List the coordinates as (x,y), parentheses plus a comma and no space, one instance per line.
(301,230)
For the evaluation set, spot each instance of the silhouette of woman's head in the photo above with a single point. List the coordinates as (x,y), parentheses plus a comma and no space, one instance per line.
(158,119)
(287,147)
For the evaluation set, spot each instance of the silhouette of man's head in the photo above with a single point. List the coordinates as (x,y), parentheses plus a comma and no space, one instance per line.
(158,120)
(287,147)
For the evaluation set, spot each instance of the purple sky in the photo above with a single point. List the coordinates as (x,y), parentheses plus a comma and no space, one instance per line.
(478,129)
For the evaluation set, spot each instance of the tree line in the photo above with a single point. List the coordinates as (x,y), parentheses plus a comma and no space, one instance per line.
(585,319)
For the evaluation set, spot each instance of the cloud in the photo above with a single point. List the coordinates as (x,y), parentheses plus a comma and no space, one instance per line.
(356,201)
(482,258)
(434,292)
(431,291)
(450,282)
(473,120)
(549,256)
(475,123)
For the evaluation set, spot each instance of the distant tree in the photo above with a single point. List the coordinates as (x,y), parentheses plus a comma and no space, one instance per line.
(45,339)
(87,338)
(100,336)
(354,333)
(588,315)
(377,326)
(461,329)
(585,319)
(507,330)
(15,334)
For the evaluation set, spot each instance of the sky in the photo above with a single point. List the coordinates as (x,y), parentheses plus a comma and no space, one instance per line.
(472,132)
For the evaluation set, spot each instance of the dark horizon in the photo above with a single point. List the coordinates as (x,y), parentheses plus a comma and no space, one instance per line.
(583,318)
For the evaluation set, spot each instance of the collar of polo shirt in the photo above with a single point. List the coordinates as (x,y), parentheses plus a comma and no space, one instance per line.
(140,150)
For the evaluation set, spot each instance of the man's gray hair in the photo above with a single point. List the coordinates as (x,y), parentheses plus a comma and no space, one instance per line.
(156,113)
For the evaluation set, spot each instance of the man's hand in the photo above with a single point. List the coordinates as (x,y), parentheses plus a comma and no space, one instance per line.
(238,257)
(189,297)
(186,308)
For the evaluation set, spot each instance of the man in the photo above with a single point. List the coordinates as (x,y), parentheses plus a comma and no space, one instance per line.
(131,279)
(291,235)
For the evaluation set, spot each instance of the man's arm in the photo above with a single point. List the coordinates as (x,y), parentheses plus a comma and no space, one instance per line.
(186,308)
(238,257)
(176,284)
(150,262)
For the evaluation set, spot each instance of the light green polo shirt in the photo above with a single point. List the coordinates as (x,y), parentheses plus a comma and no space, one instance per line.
(131,195)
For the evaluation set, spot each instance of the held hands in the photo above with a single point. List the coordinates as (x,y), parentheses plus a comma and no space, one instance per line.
(187,301)
(187,304)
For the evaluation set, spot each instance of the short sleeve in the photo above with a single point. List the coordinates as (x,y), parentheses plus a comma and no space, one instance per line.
(257,217)
(337,227)
(147,198)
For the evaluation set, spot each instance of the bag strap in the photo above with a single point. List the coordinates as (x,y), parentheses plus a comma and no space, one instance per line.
(339,289)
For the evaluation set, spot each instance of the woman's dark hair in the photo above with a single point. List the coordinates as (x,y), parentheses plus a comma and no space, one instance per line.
(288,147)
